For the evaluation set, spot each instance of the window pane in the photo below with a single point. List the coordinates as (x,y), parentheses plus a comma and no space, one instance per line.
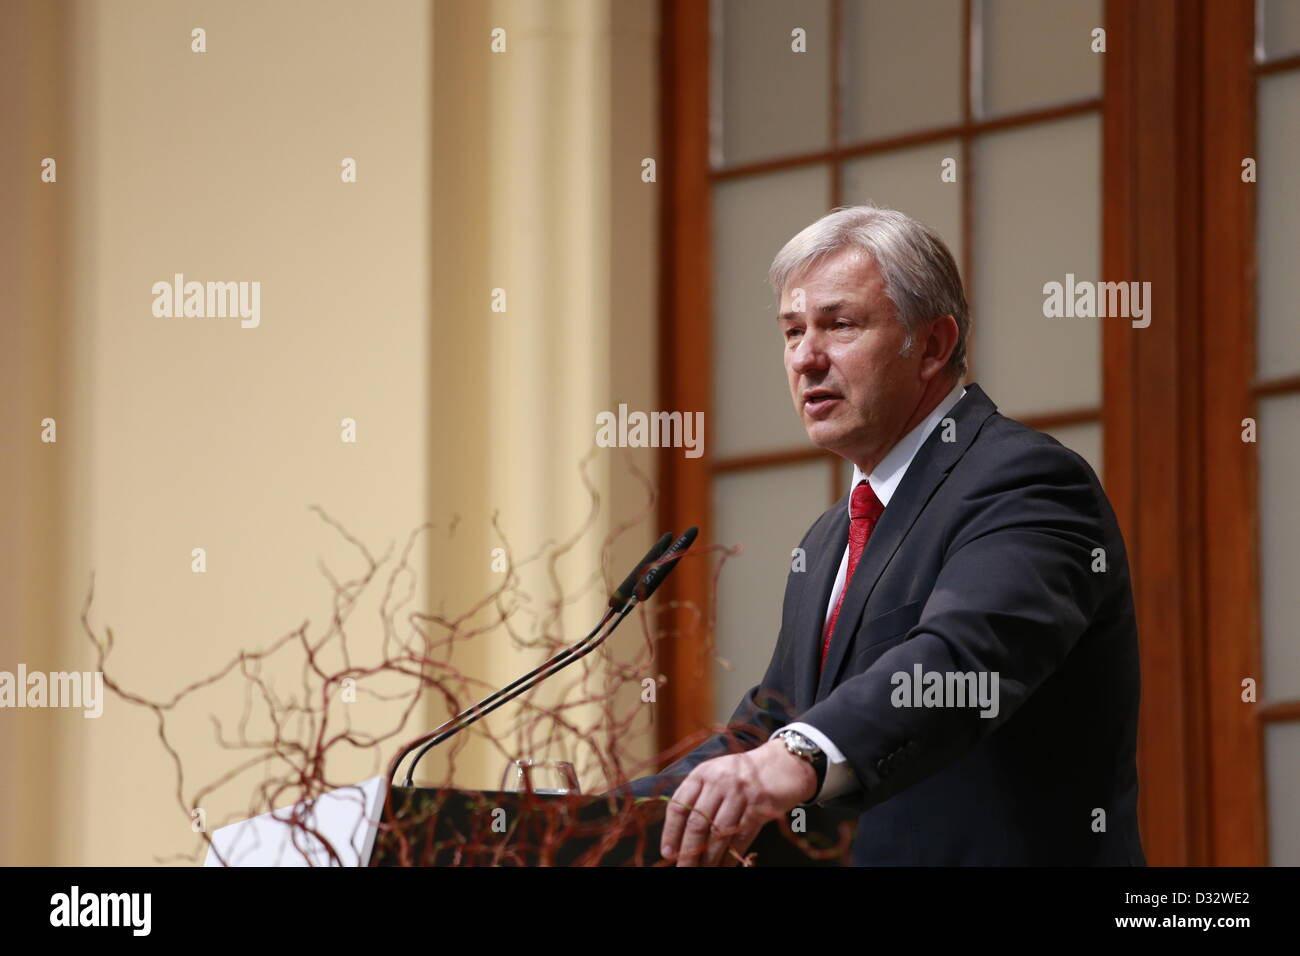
(753,218)
(901,66)
(1278,351)
(751,586)
(774,101)
(1038,53)
(908,180)
(1281,28)
(1037,220)
(1282,758)
(1279,559)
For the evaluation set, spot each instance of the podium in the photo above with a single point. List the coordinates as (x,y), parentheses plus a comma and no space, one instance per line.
(419,826)
(449,827)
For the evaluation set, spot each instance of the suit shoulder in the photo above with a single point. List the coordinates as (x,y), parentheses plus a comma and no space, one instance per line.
(1013,475)
(1005,446)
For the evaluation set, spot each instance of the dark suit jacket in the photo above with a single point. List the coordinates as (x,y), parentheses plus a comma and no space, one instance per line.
(989,557)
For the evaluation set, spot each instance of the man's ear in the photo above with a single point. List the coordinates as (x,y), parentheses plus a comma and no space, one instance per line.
(940,340)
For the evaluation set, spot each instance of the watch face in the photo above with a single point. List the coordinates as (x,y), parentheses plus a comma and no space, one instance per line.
(799,743)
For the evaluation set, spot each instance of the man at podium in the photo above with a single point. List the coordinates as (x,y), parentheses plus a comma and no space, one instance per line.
(959,661)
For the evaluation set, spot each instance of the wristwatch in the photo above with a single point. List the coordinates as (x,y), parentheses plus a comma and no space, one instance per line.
(801,746)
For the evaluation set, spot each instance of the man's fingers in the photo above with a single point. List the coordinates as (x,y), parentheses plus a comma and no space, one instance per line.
(741,842)
(699,824)
(753,821)
(675,818)
(725,822)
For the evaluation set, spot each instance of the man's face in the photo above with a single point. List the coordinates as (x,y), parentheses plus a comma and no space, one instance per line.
(852,388)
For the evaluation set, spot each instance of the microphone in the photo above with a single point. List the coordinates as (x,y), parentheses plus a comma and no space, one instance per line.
(621,602)
(656,575)
(625,591)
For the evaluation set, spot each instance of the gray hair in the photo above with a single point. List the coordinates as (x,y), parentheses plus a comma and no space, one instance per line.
(920,276)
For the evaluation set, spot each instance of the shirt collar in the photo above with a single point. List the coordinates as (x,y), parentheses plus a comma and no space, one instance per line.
(889,473)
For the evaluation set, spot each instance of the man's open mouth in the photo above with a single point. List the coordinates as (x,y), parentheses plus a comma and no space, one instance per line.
(816,399)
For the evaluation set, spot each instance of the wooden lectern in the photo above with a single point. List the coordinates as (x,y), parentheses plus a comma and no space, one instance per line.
(449,827)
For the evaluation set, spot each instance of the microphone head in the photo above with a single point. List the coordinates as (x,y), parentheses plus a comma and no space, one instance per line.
(623,593)
(656,575)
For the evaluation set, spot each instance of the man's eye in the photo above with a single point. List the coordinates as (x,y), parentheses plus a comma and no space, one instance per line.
(790,333)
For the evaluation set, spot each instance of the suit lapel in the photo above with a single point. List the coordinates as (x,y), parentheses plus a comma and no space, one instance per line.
(826,553)
(933,460)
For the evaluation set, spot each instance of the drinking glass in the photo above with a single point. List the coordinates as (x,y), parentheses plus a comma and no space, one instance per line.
(540,776)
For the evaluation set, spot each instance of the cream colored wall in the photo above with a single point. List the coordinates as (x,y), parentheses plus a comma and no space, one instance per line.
(520,172)
(554,212)
(200,433)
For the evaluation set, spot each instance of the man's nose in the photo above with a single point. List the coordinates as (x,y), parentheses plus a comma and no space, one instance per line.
(809,354)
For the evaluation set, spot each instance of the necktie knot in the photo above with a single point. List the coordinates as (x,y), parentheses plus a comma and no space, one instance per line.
(864,503)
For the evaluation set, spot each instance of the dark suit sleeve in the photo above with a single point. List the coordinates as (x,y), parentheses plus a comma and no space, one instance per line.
(752,723)
(764,709)
(1015,592)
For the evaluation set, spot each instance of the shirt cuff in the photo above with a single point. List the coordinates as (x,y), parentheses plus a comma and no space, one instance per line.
(840,778)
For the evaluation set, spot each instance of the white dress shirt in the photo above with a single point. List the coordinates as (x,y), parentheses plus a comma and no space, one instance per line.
(884,480)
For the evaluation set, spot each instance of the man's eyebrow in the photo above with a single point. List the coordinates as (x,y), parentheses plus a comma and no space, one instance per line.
(824,308)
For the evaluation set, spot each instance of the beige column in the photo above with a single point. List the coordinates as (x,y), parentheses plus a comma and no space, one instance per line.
(541,199)
(35,331)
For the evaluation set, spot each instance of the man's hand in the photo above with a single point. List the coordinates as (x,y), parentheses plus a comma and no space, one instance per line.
(725,801)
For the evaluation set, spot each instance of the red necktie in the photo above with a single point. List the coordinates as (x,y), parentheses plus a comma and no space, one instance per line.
(864,511)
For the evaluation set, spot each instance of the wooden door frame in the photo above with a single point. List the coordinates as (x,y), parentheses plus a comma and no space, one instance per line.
(1238,831)
(1149,377)
(1178,123)
(685,367)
